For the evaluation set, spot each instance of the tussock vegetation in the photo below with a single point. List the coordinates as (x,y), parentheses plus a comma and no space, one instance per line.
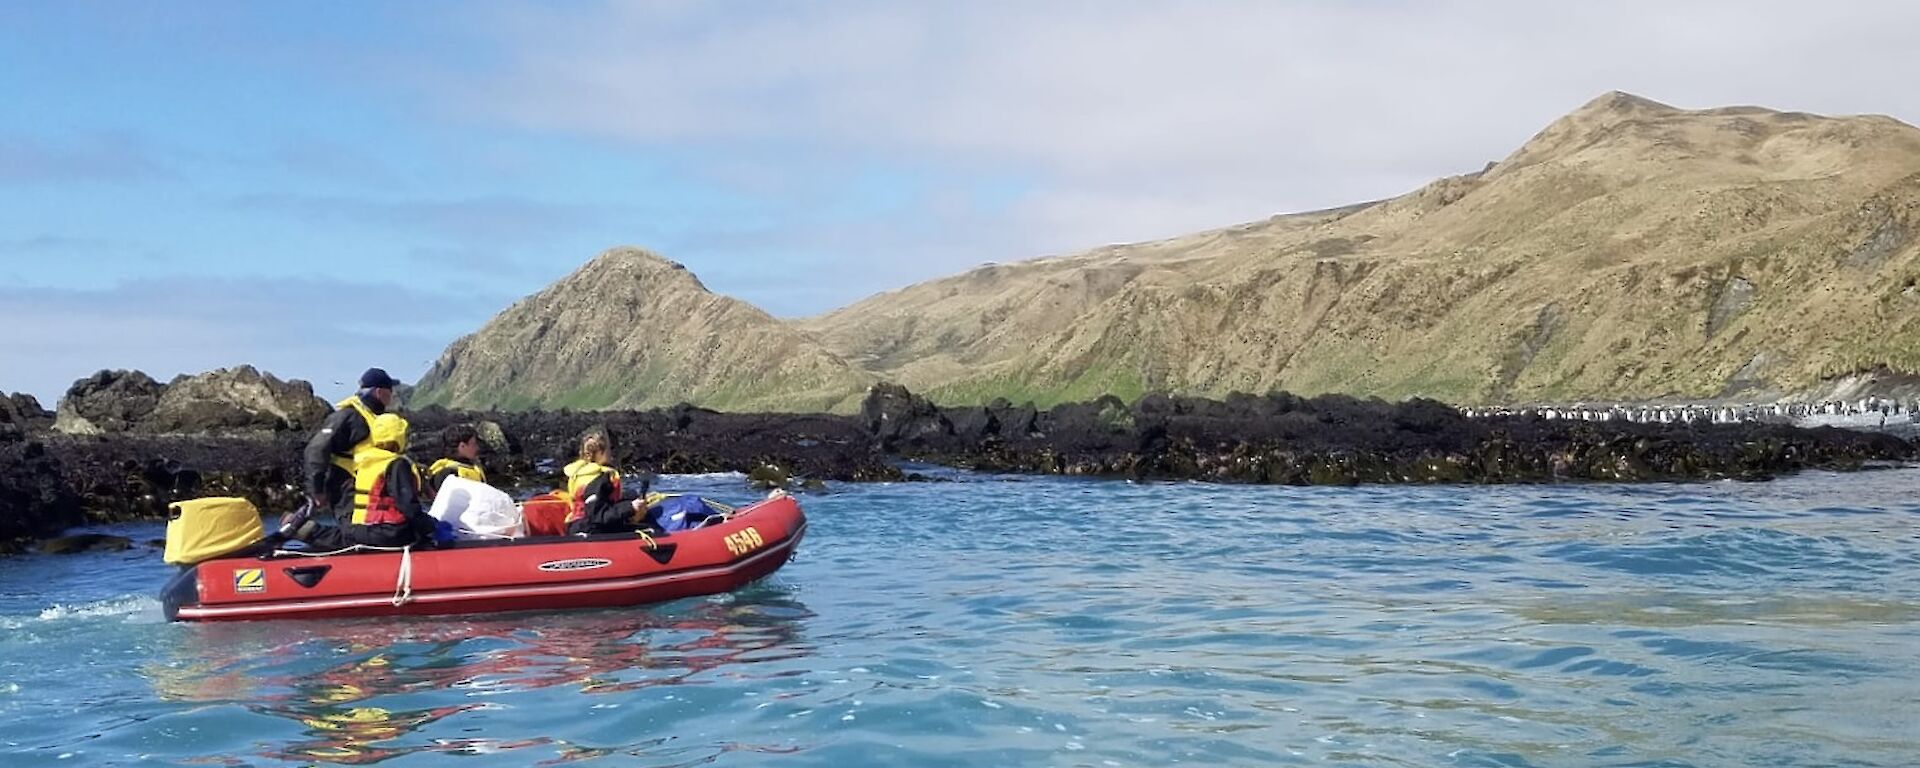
(1628,251)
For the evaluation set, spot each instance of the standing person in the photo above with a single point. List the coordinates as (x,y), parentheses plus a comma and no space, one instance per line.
(460,446)
(594,489)
(346,431)
(387,509)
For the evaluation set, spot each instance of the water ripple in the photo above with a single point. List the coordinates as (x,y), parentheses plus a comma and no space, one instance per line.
(994,621)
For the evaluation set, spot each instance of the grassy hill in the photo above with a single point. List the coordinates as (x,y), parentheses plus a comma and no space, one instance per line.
(633,330)
(1630,250)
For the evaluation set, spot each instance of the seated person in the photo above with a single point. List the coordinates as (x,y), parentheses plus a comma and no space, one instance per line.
(594,489)
(387,510)
(461,445)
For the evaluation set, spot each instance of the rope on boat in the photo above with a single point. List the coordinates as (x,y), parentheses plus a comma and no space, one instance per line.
(403,583)
(486,535)
(330,553)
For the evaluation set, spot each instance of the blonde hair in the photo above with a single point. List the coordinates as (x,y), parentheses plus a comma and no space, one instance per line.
(593,447)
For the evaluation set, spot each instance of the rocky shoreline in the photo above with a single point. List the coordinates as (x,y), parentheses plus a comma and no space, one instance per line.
(54,479)
(1338,440)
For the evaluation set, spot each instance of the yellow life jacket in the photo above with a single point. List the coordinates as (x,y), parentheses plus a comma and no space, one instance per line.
(373,502)
(580,476)
(468,471)
(345,462)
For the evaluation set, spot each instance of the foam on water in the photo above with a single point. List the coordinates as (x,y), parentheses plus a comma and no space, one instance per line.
(700,476)
(133,608)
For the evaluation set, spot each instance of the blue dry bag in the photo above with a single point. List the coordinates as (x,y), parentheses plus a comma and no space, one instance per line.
(682,512)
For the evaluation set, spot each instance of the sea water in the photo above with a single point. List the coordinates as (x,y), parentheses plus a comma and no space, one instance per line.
(997,621)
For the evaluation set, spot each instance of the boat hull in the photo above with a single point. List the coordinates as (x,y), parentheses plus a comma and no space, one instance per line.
(549,573)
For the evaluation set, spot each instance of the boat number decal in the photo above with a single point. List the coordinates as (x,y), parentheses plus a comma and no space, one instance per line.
(576,564)
(745,540)
(249,580)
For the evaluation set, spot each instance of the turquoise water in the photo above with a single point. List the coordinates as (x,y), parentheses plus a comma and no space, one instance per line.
(1024,621)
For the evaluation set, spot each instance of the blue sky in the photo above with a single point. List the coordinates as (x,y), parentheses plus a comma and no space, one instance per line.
(314,188)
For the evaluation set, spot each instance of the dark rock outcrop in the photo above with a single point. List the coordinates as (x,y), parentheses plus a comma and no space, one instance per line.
(226,401)
(1338,440)
(1277,438)
(21,415)
(682,439)
(895,416)
(34,498)
(133,477)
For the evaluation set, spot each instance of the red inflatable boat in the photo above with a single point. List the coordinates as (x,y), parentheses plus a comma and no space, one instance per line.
(537,573)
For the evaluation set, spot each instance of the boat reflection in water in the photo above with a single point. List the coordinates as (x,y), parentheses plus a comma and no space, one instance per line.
(359,688)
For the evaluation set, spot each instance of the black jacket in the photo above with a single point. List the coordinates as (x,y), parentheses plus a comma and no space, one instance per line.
(605,511)
(339,433)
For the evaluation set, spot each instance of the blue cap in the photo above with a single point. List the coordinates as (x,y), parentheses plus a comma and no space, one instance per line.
(377,378)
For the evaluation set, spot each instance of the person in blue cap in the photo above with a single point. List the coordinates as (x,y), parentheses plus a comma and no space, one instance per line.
(389,506)
(349,429)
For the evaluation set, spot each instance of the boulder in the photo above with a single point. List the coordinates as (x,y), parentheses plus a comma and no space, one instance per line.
(894,416)
(769,476)
(496,439)
(974,424)
(238,399)
(84,542)
(107,401)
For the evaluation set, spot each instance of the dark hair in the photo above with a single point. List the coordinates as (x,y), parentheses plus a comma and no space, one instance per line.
(453,436)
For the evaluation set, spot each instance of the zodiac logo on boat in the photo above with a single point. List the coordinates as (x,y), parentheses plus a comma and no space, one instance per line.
(246,580)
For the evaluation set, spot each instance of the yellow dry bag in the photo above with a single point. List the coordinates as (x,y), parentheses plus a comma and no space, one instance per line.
(203,529)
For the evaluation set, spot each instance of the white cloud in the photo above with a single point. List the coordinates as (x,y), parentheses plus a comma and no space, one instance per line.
(488,220)
(1144,119)
(31,161)
(324,331)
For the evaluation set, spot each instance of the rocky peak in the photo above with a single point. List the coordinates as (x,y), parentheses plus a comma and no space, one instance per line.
(1591,123)
(1621,104)
(632,329)
(627,262)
